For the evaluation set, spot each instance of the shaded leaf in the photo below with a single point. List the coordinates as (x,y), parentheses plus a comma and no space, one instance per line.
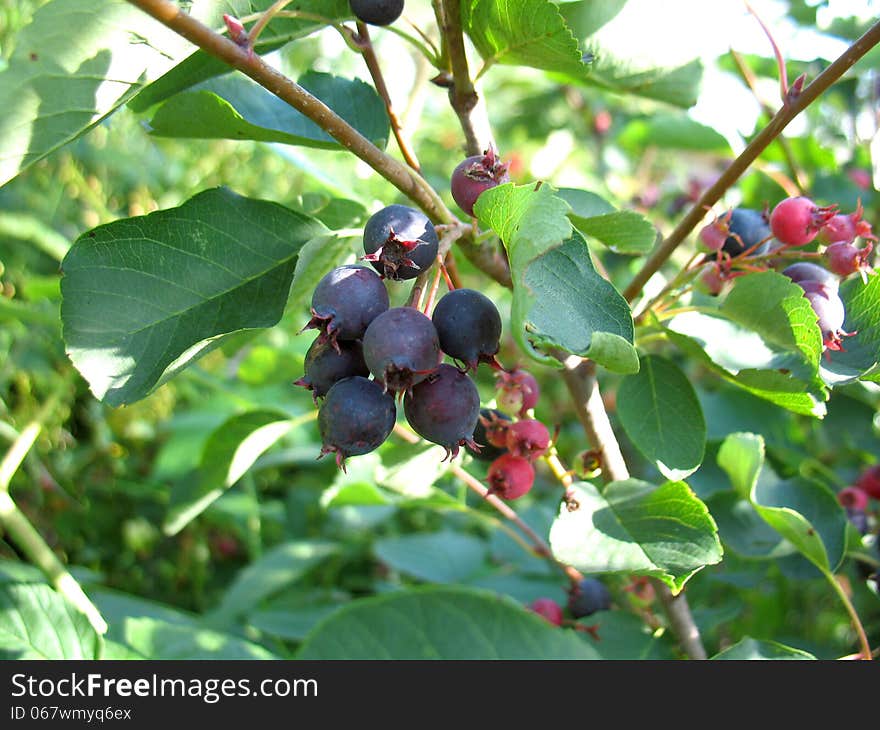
(660,413)
(236,107)
(623,231)
(861,351)
(742,456)
(585,17)
(672,132)
(142,297)
(749,648)
(636,527)
(440,623)
(440,557)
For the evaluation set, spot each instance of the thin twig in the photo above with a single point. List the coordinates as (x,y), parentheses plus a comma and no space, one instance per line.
(736,168)
(462,95)
(369,54)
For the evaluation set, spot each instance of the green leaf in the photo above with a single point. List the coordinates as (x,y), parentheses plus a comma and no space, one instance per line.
(440,623)
(635,527)
(144,296)
(37,622)
(235,107)
(229,452)
(277,568)
(749,648)
(742,456)
(672,131)
(522,33)
(660,413)
(743,531)
(677,86)
(585,17)
(439,557)
(623,231)
(560,302)
(861,352)
(201,66)
(316,258)
(808,515)
(74,64)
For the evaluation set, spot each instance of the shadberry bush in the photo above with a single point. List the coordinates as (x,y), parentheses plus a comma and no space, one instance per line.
(625,369)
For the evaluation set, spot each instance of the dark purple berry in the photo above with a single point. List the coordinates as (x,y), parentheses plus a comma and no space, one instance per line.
(355,418)
(469,327)
(325,365)
(510,477)
(401,348)
(869,481)
(473,176)
(528,438)
(377,12)
(747,228)
(444,409)
(490,434)
(400,242)
(859,520)
(590,595)
(805,271)
(345,301)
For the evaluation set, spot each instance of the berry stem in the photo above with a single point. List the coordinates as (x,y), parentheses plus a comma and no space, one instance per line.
(865,652)
(538,545)
(369,54)
(738,166)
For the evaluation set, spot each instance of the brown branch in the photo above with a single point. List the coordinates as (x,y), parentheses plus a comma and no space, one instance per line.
(580,378)
(369,54)
(736,168)
(408,181)
(462,95)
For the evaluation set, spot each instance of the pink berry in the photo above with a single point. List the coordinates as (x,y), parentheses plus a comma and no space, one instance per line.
(475,175)
(549,609)
(853,498)
(796,221)
(510,477)
(528,438)
(518,391)
(845,258)
(846,227)
(869,481)
(713,279)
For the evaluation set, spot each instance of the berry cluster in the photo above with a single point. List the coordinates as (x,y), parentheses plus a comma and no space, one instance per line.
(511,445)
(584,599)
(854,499)
(747,239)
(368,355)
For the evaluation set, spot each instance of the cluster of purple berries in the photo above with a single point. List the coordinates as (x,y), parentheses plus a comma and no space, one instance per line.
(585,598)
(854,499)
(368,355)
(742,234)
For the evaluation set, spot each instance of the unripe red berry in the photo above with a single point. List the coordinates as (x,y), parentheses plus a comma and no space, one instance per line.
(528,438)
(853,498)
(518,391)
(869,481)
(845,258)
(510,477)
(796,221)
(549,609)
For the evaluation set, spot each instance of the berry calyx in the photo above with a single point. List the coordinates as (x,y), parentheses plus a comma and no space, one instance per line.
(444,408)
(830,312)
(325,365)
(845,258)
(549,609)
(469,327)
(355,418)
(518,391)
(853,498)
(490,434)
(376,12)
(846,227)
(528,438)
(587,597)
(401,348)
(796,221)
(400,242)
(510,477)
(474,175)
(869,481)
(345,301)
